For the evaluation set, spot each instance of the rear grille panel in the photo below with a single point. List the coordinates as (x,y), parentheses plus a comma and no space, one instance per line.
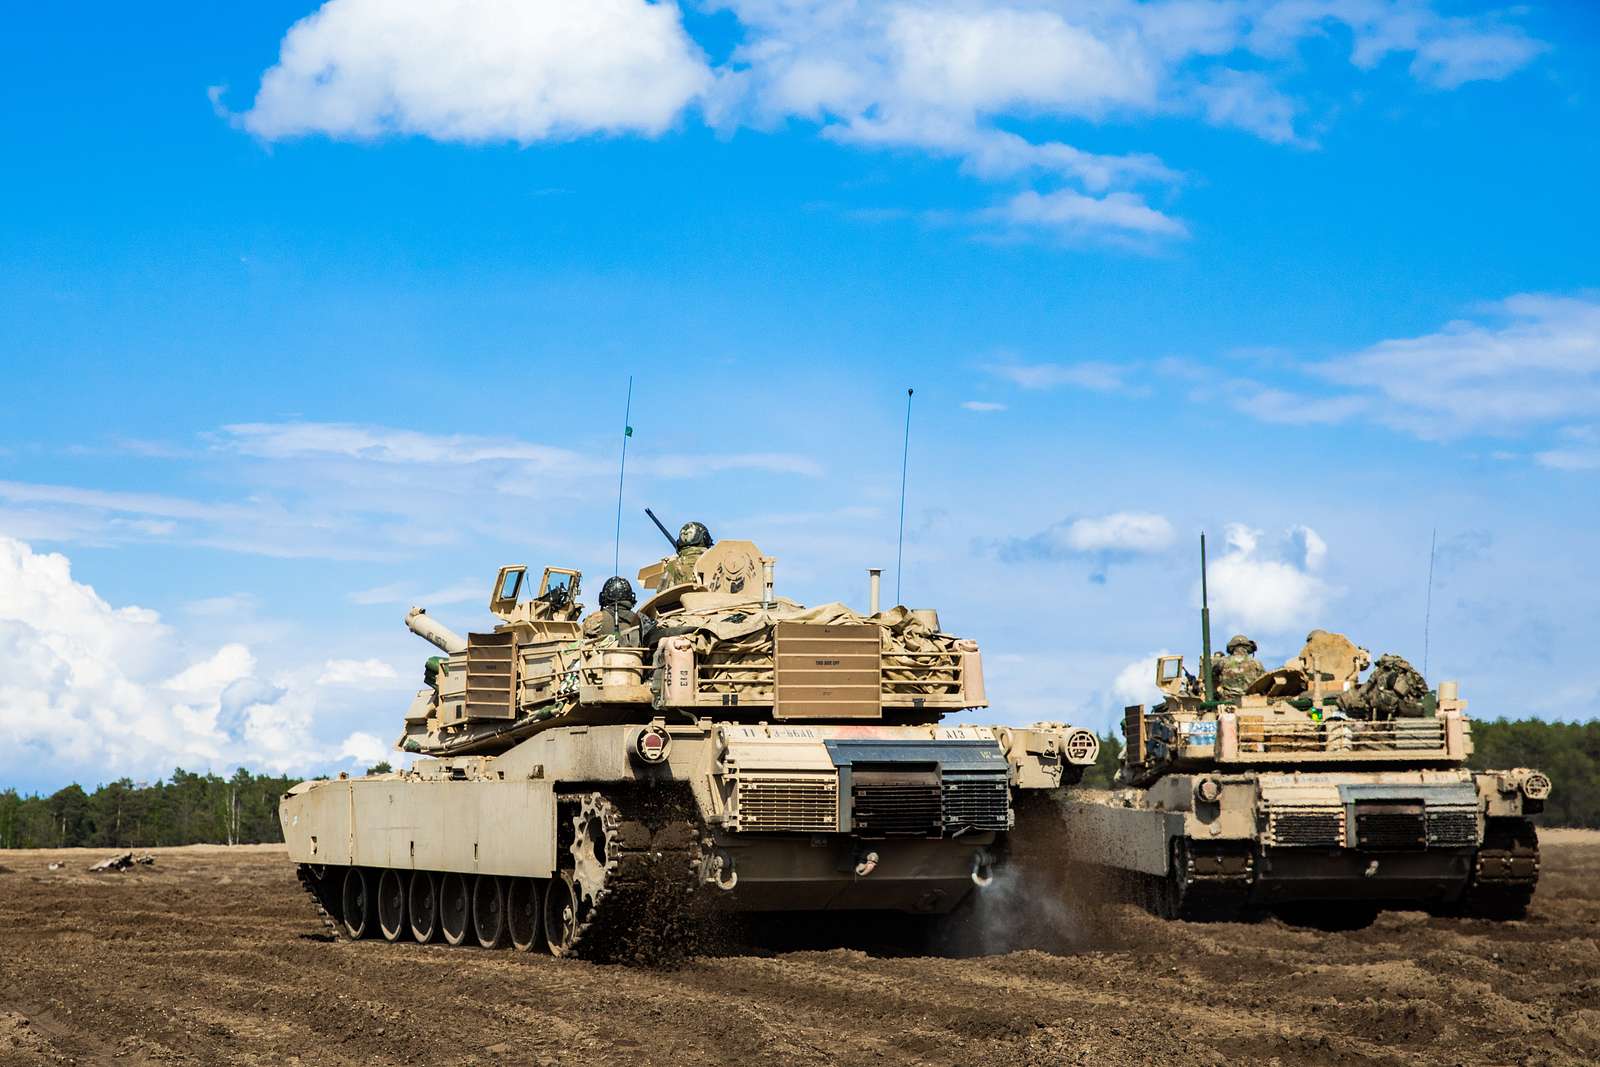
(976,802)
(1391,827)
(1306,827)
(1452,828)
(909,810)
(807,805)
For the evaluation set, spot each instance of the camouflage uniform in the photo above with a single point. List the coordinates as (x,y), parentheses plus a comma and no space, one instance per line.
(1394,688)
(693,541)
(1235,672)
(606,621)
(680,568)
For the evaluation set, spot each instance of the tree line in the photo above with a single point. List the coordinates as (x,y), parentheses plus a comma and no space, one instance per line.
(1568,752)
(187,809)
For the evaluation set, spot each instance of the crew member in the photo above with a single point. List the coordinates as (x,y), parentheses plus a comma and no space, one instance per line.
(616,612)
(1235,672)
(693,541)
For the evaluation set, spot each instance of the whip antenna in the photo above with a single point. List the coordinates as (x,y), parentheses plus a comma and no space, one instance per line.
(622,471)
(1427,617)
(905,457)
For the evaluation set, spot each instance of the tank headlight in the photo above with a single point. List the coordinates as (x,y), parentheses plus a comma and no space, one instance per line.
(1536,786)
(650,745)
(1208,790)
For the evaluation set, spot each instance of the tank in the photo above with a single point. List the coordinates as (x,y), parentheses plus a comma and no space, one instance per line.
(1312,793)
(606,785)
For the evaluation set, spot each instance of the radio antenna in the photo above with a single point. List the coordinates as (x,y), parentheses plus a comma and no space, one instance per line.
(905,458)
(1206,674)
(1427,616)
(622,472)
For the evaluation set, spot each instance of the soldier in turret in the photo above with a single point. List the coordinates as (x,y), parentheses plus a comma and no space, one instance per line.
(616,612)
(1238,669)
(693,541)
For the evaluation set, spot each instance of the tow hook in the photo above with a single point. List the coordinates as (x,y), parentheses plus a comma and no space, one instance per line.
(719,871)
(866,864)
(982,868)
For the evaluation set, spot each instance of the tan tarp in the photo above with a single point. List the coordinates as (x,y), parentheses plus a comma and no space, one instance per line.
(728,632)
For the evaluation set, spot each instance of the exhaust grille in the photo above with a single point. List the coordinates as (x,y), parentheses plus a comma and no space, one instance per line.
(904,802)
(1452,827)
(794,804)
(1306,827)
(1391,827)
(974,802)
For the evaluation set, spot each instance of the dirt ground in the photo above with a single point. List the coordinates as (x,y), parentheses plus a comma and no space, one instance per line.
(213,956)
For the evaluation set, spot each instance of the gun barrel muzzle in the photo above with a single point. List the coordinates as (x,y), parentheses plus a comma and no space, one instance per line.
(434,632)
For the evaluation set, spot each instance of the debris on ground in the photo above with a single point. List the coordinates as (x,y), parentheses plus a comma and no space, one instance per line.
(122,861)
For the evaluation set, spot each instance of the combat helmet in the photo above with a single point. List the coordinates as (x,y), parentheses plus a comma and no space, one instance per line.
(1240,640)
(617,592)
(694,535)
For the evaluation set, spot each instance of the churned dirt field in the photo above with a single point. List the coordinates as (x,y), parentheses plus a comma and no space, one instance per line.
(213,956)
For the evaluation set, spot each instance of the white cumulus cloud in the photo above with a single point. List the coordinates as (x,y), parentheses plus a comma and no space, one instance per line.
(951,78)
(1124,531)
(1101,540)
(1136,683)
(356,672)
(93,690)
(364,750)
(1270,588)
(481,70)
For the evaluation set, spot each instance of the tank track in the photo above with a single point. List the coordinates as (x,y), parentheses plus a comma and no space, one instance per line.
(636,858)
(1206,883)
(1504,871)
(315,886)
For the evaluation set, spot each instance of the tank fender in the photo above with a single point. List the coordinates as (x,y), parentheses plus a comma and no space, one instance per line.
(1512,793)
(1045,754)
(1231,816)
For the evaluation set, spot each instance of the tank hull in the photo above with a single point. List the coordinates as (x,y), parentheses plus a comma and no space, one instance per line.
(1435,839)
(735,818)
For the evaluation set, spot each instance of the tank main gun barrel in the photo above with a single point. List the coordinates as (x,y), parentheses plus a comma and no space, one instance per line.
(434,632)
(673,541)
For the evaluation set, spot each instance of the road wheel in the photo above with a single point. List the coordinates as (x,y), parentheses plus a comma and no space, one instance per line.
(560,915)
(524,914)
(455,909)
(1172,894)
(392,905)
(356,901)
(422,904)
(489,911)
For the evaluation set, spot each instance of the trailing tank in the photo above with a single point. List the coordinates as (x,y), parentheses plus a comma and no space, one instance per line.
(1314,793)
(599,785)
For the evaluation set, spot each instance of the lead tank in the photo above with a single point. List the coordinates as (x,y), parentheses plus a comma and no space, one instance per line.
(597,786)
(1312,793)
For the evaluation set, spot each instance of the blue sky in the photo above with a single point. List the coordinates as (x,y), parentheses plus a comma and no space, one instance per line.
(310,312)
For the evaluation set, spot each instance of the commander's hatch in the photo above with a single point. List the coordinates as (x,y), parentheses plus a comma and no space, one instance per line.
(558,591)
(1170,675)
(555,601)
(507,588)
